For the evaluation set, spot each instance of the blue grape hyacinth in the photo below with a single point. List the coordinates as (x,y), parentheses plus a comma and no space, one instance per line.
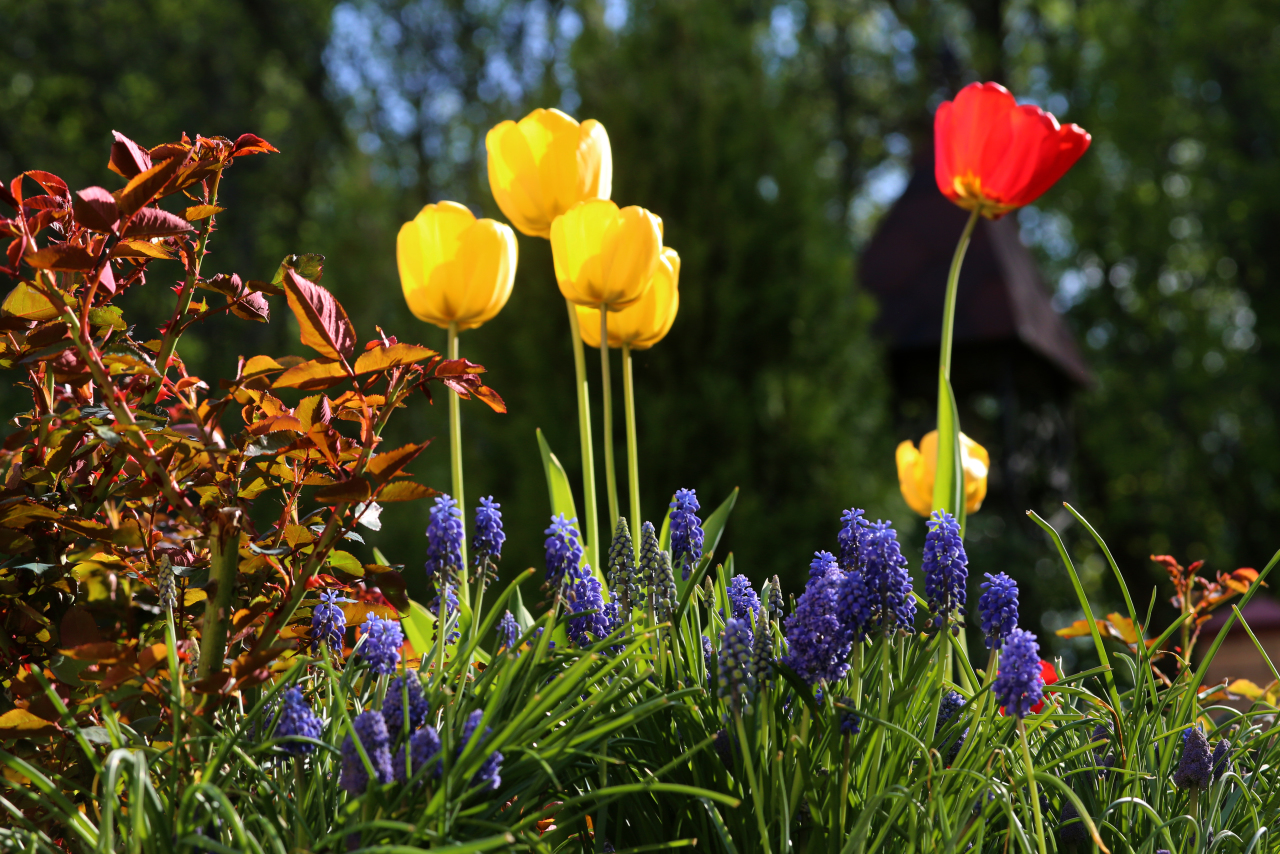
(563,549)
(737,683)
(488,776)
(328,622)
(371,730)
(818,641)
(686,532)
(393,707)
(297,719)
(1019,684)
(424,745)
(1221,758)
(621,571)
(508,632)
(586,594)
(946,569)
(488,536)
(821,564)
(852,539)
(887,581)
(444,540)
(1195,768)
(743,600)
(381,643)
(998,608)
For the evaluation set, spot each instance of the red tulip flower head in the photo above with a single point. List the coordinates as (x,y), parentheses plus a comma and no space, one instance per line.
(993,155)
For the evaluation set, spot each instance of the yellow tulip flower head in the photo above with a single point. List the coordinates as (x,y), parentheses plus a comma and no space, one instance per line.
(605,256)
(916,471)
(455,268)
(545,164)
(646,322)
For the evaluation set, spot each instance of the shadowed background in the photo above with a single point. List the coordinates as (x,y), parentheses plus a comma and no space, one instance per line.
(771,138)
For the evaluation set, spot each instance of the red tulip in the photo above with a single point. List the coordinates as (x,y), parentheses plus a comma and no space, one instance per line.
(992,155)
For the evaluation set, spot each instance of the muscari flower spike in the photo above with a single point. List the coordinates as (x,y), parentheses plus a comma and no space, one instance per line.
(297,719)
(950,706)
(852,539)
(998,608)
(564,551)
(445,605)
(708,653)
(850,722)
(393,707)
(887,581)
(328,621)
(686,532)
(585,594)
(1071,829)
(621,570)
(371,730)
(742,598)
(423,746)
(775,598)
(166,586)
(381,643)
(488,776)
(444,539)
(508,632)
(762,652)
(737,684)
(818,641)
(821,563)
(486,542)
(1019,684)
(1195,768)
(946,569)
(664,588)
(648,565)
(1221,758)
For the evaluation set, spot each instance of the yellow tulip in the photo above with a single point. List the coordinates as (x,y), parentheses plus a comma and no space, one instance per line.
(916,470)
(646,322)
(455,268)
(605,256)
(546,164)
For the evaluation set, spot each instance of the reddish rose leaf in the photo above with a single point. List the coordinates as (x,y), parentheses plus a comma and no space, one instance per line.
(492,398)
(404,490)
(7,197)
(142,188)
(52,184)
(314,410)
(139,249)
(251,144)
(20,723)
(127,157)
(383,467)
(153,222)
(195,213)
(355,489)
(382,358)
(458,368)
(325,326)
(61,256)
(314,375)
(95,209)
(252,307)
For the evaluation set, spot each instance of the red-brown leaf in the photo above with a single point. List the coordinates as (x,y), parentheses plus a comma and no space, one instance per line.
(355,489)
(53,185)
(404,490)
(492,398)
(385,466)
(96,209)
(153,222)
(250,144)
(252,307)
(314,375)
(381,358)
(325,326)
(142,188)
(61,256)
(127,157)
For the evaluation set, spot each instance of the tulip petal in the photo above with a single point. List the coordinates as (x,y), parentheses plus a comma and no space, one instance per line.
(629,253)
(513,179)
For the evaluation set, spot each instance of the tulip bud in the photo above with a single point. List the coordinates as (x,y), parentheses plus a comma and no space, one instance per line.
(455,268)
(646,322)
(916,469)
(542,166)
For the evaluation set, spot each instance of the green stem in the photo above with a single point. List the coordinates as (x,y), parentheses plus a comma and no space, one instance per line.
(633,450)
(606,394)
(949,304)
(756,796)
(455,459)
(602,815)
(945,489)
(591,525)
(224,565)
(1031,786)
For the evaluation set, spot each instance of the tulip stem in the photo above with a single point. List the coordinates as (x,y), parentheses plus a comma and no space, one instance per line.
(633,452)
(606,393)
(455,459)
(949,305)
(945,489)
(592,523)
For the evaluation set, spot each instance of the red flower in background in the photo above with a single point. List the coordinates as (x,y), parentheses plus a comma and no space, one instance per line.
(1049,675)
(992,155)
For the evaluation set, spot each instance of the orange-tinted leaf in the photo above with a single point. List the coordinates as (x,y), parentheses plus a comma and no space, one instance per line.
(1246,688)
(127,157)
(139,249)
(252,306)
(385,466)
(276,424)
(157,653)
(314,410)
(26,302)
(381,358)
(142,188)
(312,376)
(1080,629)
(404,490)
(195,213)
(355,489)
(1123,626)
(153,222)
(61,256)
(261,366)
(357,612)
(19,723)
(248,143)
(325,326)
(492,398)
(103,653)
(95,208)
(52,184)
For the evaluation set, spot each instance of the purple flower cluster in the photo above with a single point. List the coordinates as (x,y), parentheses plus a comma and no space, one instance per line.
(585,594)
(887,581)
(852,539)
(508,632)
(743,600)
(393,706)
(850,722)
(1195,768)
(423,745)
(488,775)
(328,621)
(946,568)
(297,719)
(737,683)
(445,605)
(686,532)
(564,551)
(819,642)
(381,644)
(371,731)
(1019,684)
(444,540)
(488,536)
(822,563)
(1221,758)
(998,608)
(708,653)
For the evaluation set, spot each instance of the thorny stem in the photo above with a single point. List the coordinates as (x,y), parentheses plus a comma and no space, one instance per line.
(224,548)
(592,524)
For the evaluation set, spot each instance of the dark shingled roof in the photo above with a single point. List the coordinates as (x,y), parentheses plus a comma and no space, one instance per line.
(1002,295)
